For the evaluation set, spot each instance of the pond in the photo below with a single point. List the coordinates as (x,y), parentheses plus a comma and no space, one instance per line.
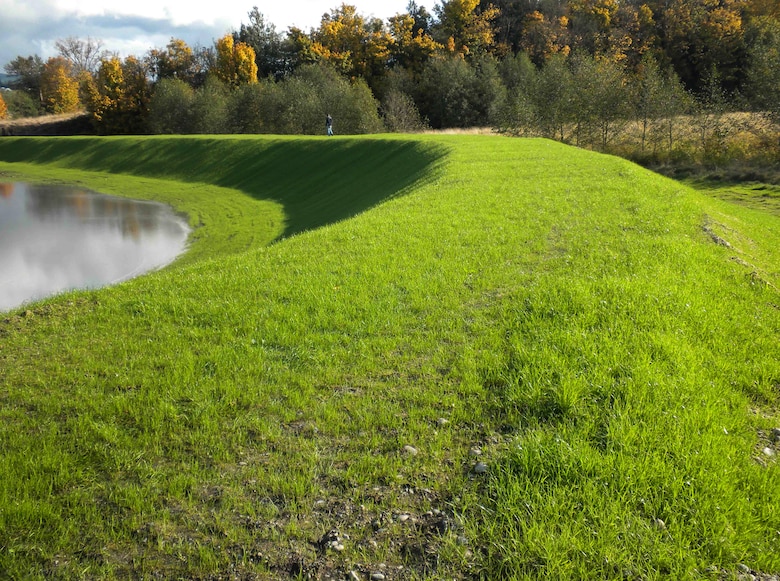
(58,238)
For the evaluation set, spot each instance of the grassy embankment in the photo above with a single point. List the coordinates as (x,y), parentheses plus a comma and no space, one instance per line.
(246,411)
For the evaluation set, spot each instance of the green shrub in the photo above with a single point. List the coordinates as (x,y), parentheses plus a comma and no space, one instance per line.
(210,107)
(400,113)
(170,109)
(20,105)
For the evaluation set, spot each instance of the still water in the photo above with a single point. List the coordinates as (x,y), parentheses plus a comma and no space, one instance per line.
(55,238)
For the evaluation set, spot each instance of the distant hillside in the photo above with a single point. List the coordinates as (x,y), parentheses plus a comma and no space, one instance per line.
(6,80)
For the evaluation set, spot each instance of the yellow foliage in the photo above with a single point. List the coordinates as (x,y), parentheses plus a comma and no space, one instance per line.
(646,15)
(59,89)
(105,91)
(719,18)
(225,69)
(470,31)
(354,45)
(544,38)
(118,96)
(246,67)
(723,22)
(3,108)
(456,14)
(601,12)
(235,62)
(177,60)
(111,76)
(179,53)
(410,49)
(401,28)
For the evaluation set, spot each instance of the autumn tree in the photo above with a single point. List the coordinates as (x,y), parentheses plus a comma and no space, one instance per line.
(699,35)
(465,27)
(235,62)
(544,36)
(633,35)
(412,46)
(509,24)
(3,108)
(300,48)
(59,87)
(591,22)
(176,60)
(355,45)
(616,30)
(118,96)
(104,93)
(423,20)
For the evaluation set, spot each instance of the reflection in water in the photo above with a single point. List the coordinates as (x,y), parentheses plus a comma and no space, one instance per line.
(55,238)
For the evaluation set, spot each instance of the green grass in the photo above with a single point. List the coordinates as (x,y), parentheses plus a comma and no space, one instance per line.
(567,312)
(764,197)
(238,193)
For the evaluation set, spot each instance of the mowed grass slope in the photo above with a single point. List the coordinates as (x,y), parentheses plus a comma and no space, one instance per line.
(250,413)
(238,193)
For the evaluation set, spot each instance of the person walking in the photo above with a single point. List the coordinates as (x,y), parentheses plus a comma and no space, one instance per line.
(329,124)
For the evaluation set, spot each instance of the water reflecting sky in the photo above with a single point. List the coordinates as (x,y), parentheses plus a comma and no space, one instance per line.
(55,238)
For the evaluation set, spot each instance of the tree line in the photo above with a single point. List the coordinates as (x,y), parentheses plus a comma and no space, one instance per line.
(576,70)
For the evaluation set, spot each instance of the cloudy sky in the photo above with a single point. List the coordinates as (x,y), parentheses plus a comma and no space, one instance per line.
(29,27)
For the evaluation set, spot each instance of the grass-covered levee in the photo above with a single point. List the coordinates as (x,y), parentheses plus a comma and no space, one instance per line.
(417,357)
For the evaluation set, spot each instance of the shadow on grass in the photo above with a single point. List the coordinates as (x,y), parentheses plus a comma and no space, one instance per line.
(755,195)
(317,181)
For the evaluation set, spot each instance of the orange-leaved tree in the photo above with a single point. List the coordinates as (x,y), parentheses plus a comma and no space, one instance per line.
(3,108)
